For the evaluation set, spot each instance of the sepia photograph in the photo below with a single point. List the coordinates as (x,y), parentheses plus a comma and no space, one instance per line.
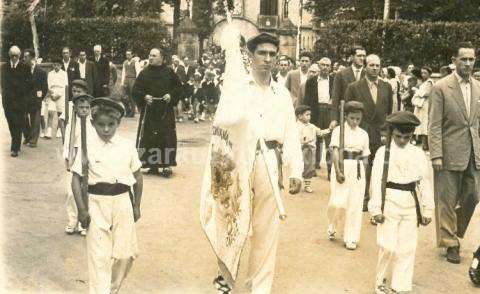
(234,146)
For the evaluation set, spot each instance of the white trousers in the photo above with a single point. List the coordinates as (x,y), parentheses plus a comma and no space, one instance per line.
(70,205)
(397,241)
(111,242)
(347,197)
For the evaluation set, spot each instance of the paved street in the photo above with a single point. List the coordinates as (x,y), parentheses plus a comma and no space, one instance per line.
(175,256)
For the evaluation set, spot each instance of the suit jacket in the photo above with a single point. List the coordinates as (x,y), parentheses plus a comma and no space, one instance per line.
(40,84)
(311,97)
(89,69)
(453,134)
(374,114)
(190,72)
(101,74)
(73,72)
(342,79)
(294,86)
(16,86)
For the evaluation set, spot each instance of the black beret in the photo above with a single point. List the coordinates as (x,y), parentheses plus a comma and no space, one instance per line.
(351,106)
(261,39)
(301,109)
(108,102)
(402,118)
(80,83)
(82,97)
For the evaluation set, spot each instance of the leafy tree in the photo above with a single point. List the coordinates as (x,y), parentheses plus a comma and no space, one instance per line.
(431,10)
(202,16)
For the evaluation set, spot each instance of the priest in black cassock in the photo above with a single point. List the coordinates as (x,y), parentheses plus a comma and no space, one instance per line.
(156,91)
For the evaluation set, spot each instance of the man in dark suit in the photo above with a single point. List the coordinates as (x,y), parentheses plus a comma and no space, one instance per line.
(453,130)
(376,96)
(34,105)
(344,78)
(69,66)
(318,96)
(189,68)
(16,90)
(179,69)
(101,73)
(86,70)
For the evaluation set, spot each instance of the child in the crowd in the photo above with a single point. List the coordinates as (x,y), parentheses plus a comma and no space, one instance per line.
(347,186)
(308,136)
(400,211)
(112,209)
(210,92)
(81,107)
(55,99)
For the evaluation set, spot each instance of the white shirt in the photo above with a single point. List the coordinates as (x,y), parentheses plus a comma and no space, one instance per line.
(65,64)
(303,77)
(274,119)
(308,133)
(357,72)
(324,90)
(81,67)
(466,88)
(356,139)
(57,81)
(281,79)
(14,65)
(77,140)
(112,162)
(406,165)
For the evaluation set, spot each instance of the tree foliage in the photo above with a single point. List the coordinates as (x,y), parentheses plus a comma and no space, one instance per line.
(431,10)
(202,17)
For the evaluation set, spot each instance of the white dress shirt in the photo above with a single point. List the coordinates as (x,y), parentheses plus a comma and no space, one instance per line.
(14,65)
(356,140)
(81,68)
(274,119)
(303,77)
(357,72)
(57,81)
(281,79)
(466,88)
(104,163)
(373,87)
(406,165)
(324,90)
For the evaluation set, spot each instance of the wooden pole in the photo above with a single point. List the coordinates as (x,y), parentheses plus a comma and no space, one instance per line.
(341,146)
(386,163)
(71,141)
(83,137)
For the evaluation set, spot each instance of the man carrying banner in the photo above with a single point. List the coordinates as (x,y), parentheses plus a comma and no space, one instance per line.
(254,126)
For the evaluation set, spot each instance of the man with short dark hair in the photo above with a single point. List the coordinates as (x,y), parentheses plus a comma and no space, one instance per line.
(85,68)
(296,78)
(344,78)
(69,65)
(266,114)
(16,81)
(455,150)
(39,91)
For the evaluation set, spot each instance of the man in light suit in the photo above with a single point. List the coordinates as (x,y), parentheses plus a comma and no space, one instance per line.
(455,150)
(344,78)
(318,96)
(296,78)
(376,96)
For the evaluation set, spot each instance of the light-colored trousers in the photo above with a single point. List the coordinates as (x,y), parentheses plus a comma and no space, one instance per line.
(347,196)
(70,205)
(397,242)
(265,227)
(111,242)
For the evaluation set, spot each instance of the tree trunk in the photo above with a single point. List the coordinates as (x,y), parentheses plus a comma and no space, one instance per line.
(176,23)
(34,34)
(386,10)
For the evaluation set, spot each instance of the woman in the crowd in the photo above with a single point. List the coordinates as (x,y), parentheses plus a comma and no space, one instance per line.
(420,101)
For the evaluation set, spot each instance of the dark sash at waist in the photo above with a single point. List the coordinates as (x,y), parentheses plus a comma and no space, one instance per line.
(277,148)
(403,187)
(324,105)
(356,155)
(108,189)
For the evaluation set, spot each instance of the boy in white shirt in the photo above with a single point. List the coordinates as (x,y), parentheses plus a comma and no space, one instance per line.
(308,136)
(112,209)
(395,205)
(57,83)
(347,185)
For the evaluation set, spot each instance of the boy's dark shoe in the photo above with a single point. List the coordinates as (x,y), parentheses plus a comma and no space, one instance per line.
(453,254)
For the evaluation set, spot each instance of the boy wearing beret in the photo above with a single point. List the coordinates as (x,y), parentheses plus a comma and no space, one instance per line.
(110,213)
(80,108)
(347,185)
(397,209)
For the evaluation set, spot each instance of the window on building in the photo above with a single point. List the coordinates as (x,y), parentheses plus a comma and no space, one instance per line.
(268,7)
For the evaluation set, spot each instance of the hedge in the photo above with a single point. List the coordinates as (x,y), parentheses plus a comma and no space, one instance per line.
(114,34)
(397,42)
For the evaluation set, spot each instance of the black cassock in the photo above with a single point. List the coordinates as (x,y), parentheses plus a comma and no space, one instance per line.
(158,141)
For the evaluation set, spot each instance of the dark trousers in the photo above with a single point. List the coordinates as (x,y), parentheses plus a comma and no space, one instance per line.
(32,126)
(323,122)
(16,123)
(456,196)
(128,99)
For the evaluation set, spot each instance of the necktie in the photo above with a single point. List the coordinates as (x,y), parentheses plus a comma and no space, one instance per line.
(466,95)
